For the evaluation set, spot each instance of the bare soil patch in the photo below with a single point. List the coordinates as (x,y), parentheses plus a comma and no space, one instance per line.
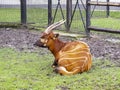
(102,46)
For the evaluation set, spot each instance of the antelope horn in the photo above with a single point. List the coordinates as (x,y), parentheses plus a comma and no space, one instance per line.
(54,25)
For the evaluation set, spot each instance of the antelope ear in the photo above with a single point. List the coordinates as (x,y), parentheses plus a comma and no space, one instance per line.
(56,35)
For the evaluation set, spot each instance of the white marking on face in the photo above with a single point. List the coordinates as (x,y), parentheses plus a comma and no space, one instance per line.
(42,40)
(46,41)
(44,45)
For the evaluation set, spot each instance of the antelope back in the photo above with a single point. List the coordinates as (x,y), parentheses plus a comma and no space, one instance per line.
(75,55)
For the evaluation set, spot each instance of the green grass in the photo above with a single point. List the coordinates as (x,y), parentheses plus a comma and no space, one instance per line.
(32,71)
(39,18)
(112,23)
(10,15)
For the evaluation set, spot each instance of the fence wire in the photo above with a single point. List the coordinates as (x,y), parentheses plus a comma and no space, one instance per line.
(9,11)
(100,17)
(37,13)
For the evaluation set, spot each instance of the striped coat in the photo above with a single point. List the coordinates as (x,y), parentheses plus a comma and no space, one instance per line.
(70,57)
(74,58)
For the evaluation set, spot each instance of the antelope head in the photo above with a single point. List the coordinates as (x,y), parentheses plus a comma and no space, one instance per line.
(47,38)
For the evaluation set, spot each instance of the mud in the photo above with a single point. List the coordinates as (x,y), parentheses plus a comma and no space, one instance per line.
(102,46)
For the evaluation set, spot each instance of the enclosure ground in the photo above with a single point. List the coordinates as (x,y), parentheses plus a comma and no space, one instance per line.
(103,46)
(25,67)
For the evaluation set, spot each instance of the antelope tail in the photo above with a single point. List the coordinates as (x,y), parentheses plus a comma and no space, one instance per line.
(63,71)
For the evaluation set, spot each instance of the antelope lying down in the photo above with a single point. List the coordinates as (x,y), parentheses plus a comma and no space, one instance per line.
(70,57)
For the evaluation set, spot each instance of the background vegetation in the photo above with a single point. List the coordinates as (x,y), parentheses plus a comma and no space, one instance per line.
(32,71)
(38,18)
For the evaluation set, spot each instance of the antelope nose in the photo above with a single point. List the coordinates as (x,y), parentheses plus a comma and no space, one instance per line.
(36,43)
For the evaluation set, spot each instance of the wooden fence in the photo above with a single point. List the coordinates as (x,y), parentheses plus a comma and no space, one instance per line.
(70,11)
(89,3)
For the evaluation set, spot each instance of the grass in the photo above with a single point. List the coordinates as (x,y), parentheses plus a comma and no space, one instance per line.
(39,18)
(32,71)
(112,23)
(10,15)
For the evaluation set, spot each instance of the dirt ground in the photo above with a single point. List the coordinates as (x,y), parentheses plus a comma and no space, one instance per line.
(102,46)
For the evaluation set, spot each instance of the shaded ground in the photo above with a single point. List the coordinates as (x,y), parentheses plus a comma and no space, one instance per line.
(102,46)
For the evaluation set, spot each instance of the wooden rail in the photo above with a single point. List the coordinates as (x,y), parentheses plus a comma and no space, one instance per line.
(104,3)
(103,30)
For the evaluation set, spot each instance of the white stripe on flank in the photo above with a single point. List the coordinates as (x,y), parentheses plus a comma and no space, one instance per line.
(65,53)
(69,59)
(76,58)
(62,59)
(84,60)
(78,47)
(82,67)
(81,52)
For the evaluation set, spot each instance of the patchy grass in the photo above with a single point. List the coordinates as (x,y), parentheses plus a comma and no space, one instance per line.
(37,16)
(40,20)
(10,15)
(32,71)
(106,23)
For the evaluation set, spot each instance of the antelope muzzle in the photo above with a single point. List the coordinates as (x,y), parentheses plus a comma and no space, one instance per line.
(38,43)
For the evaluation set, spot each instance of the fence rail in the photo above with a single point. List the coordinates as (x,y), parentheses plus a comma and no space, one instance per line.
(104,3)
(89,3)
(103,29)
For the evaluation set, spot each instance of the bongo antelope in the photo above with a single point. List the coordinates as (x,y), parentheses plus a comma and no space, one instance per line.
(70,57)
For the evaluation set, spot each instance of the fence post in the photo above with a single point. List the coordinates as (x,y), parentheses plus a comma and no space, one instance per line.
(49,12)
(68,14)
(88,16)
(23,11)
(108,9)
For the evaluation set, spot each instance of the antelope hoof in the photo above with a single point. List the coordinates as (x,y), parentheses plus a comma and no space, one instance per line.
(56,70)
(53,66)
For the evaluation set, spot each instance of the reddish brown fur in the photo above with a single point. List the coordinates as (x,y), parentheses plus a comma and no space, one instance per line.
(70,57)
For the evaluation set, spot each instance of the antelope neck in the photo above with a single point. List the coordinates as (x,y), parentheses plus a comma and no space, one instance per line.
(56,46)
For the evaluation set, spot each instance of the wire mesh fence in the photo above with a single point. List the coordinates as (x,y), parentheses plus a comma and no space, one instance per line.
(37,13)
(9,11)
(79,19)
(77,11)
(105,16)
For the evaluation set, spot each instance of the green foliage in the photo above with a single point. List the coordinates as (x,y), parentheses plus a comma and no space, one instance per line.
(112,23)
(38,18)
(33,71)
(115,14)
(10,15)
